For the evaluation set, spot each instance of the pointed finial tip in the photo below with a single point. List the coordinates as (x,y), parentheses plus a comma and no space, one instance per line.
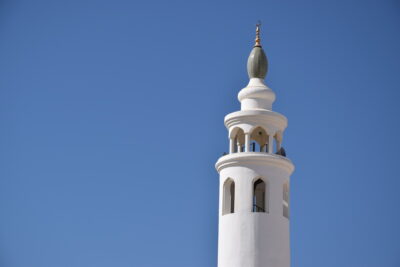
(258,40)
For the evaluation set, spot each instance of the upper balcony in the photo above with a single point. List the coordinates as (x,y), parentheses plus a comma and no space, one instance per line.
(256,140)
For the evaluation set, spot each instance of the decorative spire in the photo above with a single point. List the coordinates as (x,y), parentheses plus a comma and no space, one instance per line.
(257,64)
(258,40)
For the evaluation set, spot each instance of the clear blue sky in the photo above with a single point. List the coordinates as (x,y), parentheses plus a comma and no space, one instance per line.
(111,116)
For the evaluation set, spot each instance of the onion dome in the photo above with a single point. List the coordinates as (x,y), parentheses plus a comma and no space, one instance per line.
(257,64)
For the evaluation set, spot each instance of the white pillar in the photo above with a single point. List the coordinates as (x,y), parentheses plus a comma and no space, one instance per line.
(270,144)
(247,142)
(263,148)
(231,145)
(239,147)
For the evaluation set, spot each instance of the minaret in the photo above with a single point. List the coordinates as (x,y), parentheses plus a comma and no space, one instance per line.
(254,178)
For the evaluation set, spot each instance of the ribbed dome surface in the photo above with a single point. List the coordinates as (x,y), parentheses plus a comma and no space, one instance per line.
(257,64)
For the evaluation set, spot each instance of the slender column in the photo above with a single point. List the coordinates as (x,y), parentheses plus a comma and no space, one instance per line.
(247,142)
(231,145)
(263,148)
(239,147)
(270,144)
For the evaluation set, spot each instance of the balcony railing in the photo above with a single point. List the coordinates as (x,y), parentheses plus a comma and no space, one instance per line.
(280,152)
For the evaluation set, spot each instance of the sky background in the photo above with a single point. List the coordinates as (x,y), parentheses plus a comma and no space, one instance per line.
(111,118)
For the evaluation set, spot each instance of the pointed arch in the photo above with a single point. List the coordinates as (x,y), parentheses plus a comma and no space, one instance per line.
(228,198)
(260,195)
(259,139)
(237,138)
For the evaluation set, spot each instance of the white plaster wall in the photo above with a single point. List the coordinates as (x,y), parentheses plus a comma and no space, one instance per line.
(256,95)
(254,239)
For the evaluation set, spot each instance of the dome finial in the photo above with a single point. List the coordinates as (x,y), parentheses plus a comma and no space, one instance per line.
(258,40)
(257,64)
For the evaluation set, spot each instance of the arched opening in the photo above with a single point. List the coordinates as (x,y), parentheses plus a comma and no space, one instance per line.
(259,140)
(238,140)
(228,205)
(259,196)
(286,200)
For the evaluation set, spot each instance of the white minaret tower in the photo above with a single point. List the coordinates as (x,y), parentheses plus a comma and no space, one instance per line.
(254,178)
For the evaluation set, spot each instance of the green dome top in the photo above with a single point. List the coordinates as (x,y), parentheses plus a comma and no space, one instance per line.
(257,64)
